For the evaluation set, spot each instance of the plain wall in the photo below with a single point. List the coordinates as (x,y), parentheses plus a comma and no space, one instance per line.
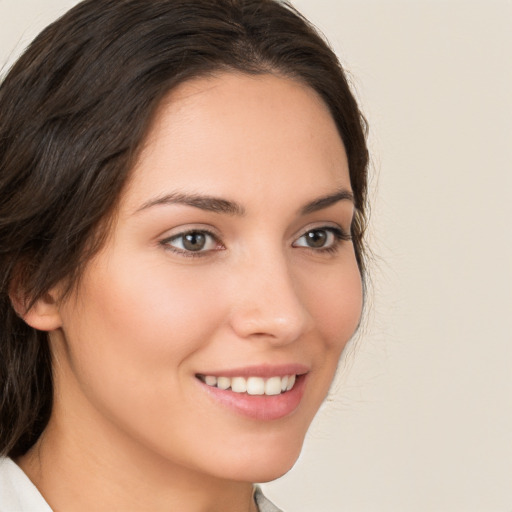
(421,416)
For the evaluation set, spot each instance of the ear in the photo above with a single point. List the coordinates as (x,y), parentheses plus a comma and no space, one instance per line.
(43,314)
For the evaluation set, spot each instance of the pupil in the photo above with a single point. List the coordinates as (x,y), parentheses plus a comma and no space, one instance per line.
(316,238)
(194,241)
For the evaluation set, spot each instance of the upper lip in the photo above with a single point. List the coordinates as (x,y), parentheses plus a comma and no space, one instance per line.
(265,370)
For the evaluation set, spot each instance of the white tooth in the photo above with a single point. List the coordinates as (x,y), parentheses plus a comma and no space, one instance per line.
(210,380)
(291,382)
(223,382)
(255,386)
(273,386)
(238,385)
(284,382)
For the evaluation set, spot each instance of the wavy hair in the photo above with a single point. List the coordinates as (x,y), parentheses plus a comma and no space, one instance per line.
(74,111)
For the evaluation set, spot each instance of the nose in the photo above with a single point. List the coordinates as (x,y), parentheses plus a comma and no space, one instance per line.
(266,303)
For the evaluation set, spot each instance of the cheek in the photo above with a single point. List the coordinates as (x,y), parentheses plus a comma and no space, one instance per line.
(156,309)
(130,338)
(335,302)
(139,327)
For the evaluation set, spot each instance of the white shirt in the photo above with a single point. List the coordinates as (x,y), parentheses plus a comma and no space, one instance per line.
(17,492)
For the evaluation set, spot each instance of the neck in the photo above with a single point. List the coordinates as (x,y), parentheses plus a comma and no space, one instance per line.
(78,470)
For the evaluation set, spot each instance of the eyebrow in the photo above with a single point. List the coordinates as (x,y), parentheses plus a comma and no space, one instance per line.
(328,200)
(203,202)
(225,206)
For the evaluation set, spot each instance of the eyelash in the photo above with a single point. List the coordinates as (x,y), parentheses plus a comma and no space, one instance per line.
(190,254)
(339,236)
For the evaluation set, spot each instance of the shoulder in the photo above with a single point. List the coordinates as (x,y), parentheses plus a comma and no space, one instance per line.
(264,505)
(17,492)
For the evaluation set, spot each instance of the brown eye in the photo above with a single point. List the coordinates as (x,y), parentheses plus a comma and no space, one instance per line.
(328,238)
(316,238)
(192,241)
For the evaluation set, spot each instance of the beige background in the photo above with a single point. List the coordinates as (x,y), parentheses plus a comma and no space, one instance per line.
(421,419)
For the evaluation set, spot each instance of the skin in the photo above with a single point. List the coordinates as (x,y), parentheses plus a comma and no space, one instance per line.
(131,422)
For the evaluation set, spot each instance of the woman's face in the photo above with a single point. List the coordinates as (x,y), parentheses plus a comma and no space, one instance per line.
(228,266)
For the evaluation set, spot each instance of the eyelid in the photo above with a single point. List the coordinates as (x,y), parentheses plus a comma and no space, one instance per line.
(182,231)
(328,226)
(339,233)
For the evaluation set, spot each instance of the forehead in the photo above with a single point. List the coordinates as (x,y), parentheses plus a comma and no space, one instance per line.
(242,135)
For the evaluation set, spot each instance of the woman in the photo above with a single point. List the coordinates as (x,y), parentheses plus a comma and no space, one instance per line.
(181,233)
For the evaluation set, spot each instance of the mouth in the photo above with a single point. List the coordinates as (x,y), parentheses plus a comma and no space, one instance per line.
(260,393)
(253,385)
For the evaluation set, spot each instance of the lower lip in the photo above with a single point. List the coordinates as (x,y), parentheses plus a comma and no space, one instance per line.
(260,407)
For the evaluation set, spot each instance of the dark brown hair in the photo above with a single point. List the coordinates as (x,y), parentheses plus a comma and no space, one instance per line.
(74,110)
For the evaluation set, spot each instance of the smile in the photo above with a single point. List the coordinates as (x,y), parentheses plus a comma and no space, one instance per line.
(251,385)
(262,393)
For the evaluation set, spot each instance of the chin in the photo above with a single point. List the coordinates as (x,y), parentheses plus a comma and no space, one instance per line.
(273,473)
(261,463)
(261,473)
